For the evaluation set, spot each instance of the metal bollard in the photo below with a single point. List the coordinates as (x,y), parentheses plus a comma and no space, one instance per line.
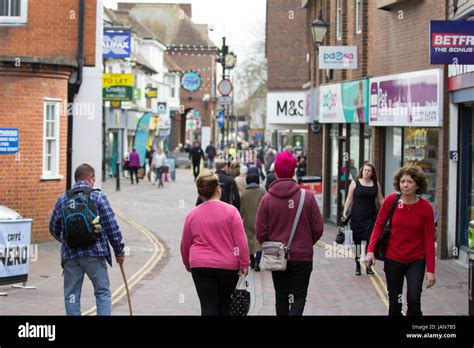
(117,176)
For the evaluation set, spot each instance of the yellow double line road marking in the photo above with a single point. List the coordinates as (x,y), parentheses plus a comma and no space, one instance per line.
(158,253)
(381,289)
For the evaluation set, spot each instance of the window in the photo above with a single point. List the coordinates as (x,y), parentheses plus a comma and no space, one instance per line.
(339,19)
(51,140)
(172,84)
(358,16)
(13,12)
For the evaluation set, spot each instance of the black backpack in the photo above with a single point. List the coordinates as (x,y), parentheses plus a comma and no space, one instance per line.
(78,215)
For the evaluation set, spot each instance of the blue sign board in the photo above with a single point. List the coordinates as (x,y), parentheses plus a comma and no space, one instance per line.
(452,42)
(8,141)
(141,136)
(191,81)
(220,119)
(117,45)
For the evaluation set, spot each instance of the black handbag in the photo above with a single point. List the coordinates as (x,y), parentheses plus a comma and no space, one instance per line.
(382,243)
(240,299)
(341,236)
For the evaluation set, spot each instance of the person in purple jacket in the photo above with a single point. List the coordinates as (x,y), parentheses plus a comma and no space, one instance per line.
(134,164)
(275,217)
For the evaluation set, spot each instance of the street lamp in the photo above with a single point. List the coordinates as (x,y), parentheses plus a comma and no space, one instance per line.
(319,27)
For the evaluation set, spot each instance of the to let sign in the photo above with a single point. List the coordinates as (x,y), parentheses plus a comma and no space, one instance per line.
(118,87)
(8,141)
(451,42)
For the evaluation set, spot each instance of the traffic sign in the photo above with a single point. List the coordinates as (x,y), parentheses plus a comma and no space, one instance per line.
(225,87)
(220,119)
(225,100)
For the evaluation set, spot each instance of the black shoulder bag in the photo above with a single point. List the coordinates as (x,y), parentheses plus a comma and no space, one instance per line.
(382,243)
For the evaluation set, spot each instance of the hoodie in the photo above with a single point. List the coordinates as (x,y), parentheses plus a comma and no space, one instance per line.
(277,212)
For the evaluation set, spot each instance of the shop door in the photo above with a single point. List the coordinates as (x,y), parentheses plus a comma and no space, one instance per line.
(466,191)
(343,165)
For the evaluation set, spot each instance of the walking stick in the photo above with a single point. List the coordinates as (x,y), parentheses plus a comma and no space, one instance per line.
(126,288)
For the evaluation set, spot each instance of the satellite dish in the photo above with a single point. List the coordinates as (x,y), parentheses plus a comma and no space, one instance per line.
(316,127)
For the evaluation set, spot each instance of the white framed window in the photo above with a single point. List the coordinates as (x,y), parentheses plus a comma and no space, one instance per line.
(51,140)
(13,12)
(339,19)
(358,16)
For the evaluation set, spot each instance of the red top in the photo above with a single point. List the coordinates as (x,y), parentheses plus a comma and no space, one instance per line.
(412,232)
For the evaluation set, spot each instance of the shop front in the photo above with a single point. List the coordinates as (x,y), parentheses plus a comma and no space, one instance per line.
(410,108)
(344,110)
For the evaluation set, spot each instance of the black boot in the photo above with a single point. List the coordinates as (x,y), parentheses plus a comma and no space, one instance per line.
(357,272)
(369,271)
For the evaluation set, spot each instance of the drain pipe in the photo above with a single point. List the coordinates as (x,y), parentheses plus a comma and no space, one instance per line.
(73,90)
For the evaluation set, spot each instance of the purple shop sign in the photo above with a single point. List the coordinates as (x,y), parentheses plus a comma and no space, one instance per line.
(407,100)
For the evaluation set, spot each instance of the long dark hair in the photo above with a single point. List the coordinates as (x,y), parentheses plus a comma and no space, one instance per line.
(374,172)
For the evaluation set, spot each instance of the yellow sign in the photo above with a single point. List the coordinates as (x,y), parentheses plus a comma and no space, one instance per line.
(110,80)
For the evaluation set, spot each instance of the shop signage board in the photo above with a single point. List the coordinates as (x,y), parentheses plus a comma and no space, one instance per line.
(286,108)
(15,250)
(141,136)
(191,81)
(151,93)
(117,87)
(346,102)
(338,57)
(8,141)
(451,42)
(162,108)
(407,100)
(117,44)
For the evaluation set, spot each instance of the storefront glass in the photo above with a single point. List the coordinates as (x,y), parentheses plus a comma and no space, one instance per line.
(334,135)
(420,147)
(367,147)
(393,155)
(354,149)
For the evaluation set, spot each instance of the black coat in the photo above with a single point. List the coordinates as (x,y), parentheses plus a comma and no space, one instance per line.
(228,185)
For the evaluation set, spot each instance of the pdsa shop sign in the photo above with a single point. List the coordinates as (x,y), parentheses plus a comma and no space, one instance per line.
(15,243)
(338,57)
(286,108)
(117,87)
(117,45)
(8,141)
(452,42)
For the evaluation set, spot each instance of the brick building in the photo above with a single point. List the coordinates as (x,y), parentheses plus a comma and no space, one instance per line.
(41,62)
(190,47)
(288,72)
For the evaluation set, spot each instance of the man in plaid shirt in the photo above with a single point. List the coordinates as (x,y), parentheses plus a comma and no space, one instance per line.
(90,260)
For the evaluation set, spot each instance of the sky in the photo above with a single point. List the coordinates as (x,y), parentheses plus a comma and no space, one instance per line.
(237,20)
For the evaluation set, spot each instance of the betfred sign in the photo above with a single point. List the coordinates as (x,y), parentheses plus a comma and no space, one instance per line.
(338,57)
(286,108)
(451,42)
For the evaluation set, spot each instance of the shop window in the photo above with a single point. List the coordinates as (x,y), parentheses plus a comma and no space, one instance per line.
(51,140)
(420,147)
(393,156)
(339,20)
(13,12)
(358,16)
(334,135)
(354,159)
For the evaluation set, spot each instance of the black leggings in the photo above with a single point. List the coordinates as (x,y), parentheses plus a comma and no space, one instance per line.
(215,287)
(395,272)
(196,169)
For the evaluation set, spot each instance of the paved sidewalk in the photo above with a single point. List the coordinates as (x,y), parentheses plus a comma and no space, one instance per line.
(151,220)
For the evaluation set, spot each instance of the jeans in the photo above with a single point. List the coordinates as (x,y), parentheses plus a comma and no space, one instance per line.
(210,163)
(291,288)
(215,287)
(158,174)
(255,259)
(395,272)
(133,170)
(196,169)
(96,269)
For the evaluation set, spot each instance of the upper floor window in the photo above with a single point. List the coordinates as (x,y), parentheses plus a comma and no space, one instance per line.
(358,16)
(339,19)
(13,12)
(51,140)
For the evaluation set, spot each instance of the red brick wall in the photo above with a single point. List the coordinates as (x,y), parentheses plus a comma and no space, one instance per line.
(51,31)
(21,106)
(287,45)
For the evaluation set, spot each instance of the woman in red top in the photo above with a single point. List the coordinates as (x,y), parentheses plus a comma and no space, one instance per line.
(411,244)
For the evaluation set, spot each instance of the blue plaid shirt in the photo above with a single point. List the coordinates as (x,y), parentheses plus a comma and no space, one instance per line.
(110,229)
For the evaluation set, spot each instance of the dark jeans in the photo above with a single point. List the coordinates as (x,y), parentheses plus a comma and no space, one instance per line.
(291,287)
(395,272)
(255,259)
(133,170)
(215,287)
(196,169)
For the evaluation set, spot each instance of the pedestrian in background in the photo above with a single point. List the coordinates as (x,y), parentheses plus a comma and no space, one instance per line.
(362,204)
(158,162)
(275,218)
(91,259)
(241,180)
(211,153)
(134,164)
(270,177)
(249,202)
(411,246)
(214,247)
(196,155)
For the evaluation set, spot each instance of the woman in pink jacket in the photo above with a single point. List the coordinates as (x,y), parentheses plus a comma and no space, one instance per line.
(214,247)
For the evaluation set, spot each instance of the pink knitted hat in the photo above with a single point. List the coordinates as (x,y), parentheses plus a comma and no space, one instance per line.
(285,165)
